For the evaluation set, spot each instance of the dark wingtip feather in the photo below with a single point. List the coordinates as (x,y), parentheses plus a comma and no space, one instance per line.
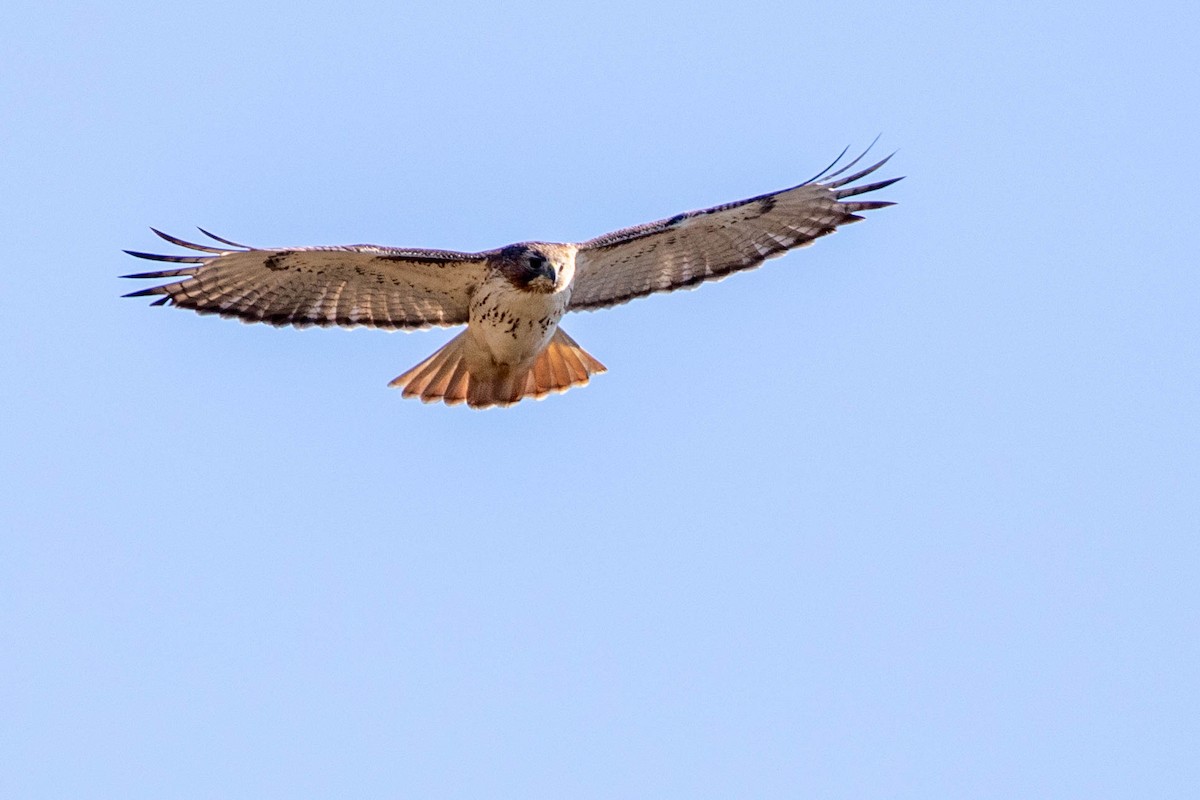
(867,205)
(832,164)
(171,259)
(163,273)
(850,191)
(859,158)
(182,243)
(862,173)
(153,290)
(216,238)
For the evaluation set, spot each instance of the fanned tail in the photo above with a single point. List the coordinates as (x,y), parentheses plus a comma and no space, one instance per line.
(456,373)
(560,366)
(443,376)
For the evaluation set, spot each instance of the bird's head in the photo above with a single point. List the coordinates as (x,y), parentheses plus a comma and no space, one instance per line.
(538,266)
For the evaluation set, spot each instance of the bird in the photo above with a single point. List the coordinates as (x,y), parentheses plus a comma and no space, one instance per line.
(512,298)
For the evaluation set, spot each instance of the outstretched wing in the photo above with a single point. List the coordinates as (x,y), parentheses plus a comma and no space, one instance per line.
(698,246)
(354,285)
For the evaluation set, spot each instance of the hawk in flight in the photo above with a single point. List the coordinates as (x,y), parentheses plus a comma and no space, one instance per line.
(511,299)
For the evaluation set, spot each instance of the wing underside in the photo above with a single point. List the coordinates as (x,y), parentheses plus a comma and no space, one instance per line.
(691,248)
(349,286)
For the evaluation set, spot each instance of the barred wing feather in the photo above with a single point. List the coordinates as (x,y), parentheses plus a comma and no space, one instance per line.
(350,286)
(688,249)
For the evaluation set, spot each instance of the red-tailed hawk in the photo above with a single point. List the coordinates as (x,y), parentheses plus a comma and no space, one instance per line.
(510,299)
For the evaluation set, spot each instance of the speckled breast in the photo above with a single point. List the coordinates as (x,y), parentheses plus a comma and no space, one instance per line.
(514,325)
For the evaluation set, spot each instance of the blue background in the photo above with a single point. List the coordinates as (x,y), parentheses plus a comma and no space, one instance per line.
(909,514)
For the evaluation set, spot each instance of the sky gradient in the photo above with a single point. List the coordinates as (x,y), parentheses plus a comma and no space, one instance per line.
(911,513)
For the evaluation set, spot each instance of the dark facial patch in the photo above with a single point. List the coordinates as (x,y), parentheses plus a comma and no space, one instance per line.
(524,264)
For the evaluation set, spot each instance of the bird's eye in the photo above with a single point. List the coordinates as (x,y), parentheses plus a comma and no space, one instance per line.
(537,262)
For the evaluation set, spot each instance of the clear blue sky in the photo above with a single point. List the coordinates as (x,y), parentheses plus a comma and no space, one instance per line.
(910,514)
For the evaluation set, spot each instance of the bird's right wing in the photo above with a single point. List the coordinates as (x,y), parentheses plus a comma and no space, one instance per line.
(353,285)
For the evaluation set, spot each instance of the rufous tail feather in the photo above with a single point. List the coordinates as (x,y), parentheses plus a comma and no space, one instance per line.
(455,374)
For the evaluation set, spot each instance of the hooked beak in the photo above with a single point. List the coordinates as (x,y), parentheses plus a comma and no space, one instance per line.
(545,279)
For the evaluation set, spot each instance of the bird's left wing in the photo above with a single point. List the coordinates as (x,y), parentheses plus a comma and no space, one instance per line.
(353,285)
(699,246)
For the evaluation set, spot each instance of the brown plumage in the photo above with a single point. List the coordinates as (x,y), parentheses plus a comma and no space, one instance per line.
(512,298)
